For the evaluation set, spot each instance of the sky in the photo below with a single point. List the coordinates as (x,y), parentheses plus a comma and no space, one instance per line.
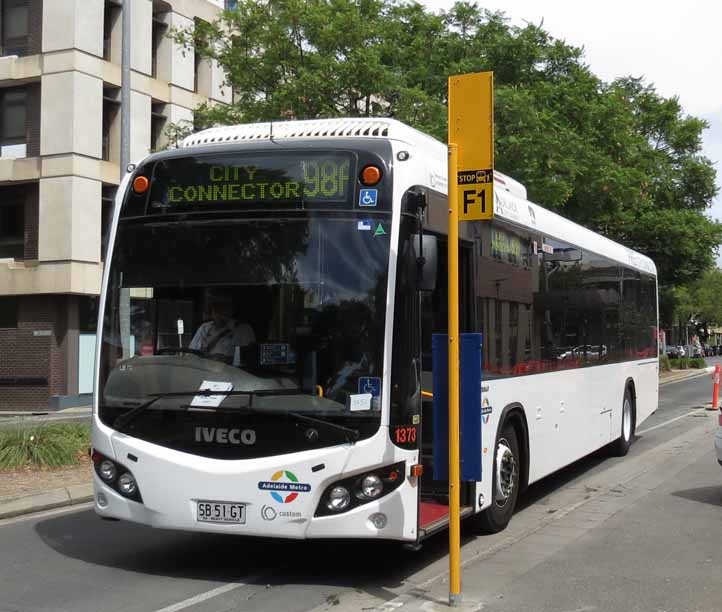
(676,46)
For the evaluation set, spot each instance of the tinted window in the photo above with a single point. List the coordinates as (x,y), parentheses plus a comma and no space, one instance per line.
(548,305)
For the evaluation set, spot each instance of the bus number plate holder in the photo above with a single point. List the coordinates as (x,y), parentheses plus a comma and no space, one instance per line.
(220,512)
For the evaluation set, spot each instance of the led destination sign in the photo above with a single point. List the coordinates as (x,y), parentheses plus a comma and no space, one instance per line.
(286,178)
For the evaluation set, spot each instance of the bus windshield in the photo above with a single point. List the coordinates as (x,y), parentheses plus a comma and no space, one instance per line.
(282,317)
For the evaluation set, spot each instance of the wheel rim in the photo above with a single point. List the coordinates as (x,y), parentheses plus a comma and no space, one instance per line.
(627,419)
(505,472)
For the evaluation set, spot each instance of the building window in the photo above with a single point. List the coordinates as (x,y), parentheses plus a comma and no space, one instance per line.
(87,314)
(111,27)
(197,59)
(14,25)
(8,312)
(160,29)
(201,68)
(157,126)
(13,116)
(111,123)
(12,223)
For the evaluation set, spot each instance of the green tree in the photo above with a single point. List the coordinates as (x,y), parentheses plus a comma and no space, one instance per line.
(616,157)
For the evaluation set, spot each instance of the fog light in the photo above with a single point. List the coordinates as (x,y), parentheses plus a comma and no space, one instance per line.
(338,499)
(379,520)
(107,471)
(127,485)
(102,500)
(371,486)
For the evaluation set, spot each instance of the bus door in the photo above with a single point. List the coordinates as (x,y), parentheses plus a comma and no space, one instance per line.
(434,494)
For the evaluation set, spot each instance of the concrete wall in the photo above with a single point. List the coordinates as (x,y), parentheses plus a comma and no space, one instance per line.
(73,24)
(139,125)
(141,13)
(69,227)
(71,114)
(180,72)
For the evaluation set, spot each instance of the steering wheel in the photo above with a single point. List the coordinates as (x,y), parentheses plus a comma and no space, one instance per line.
(170,350)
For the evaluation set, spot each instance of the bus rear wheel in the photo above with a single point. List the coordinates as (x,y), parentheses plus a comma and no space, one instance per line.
(505,485)
(620,447)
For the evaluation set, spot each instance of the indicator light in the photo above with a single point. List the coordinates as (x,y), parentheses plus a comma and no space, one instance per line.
(370,175)
(140,184)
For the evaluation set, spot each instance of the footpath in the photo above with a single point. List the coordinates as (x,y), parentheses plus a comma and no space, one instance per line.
(35,490)
(672,376)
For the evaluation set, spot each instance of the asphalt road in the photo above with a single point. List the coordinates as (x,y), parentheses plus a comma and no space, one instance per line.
(70,560)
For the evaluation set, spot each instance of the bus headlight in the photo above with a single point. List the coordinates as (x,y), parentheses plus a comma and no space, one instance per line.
(371,486)
(107,470)
(127,485)
(359,489)
(338,499)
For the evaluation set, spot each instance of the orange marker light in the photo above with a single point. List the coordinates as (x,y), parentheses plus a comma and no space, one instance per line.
(417,470)
(140,184)
(370,175)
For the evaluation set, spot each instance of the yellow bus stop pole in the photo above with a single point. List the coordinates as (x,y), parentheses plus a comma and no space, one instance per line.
(454,460)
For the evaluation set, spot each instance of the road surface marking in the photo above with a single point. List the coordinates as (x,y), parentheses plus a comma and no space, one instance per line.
(677,418)
(192,601)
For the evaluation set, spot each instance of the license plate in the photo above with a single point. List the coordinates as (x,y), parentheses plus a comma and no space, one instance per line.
(220,512)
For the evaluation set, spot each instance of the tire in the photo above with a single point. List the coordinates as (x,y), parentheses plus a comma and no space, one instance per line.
(497,516)
(620,447)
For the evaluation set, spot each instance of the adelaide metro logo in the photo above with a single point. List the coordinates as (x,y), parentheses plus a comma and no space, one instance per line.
(284,480)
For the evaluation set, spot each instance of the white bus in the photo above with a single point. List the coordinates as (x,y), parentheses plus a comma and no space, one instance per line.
(264,344)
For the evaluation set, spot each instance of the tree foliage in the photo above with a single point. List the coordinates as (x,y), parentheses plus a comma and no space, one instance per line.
(616,157)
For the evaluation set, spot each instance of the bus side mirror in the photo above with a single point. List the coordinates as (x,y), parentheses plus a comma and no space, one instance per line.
(427,261)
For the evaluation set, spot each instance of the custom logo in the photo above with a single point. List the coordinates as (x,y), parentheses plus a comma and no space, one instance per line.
(224,435)
(268,513)
(284,486)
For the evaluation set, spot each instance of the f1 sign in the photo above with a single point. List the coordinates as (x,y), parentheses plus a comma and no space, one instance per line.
(471,128)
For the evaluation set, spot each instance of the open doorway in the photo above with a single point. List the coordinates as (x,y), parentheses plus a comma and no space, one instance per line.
(434,494)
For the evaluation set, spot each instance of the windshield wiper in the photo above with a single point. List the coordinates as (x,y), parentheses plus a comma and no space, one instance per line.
(352,434)
(128,417)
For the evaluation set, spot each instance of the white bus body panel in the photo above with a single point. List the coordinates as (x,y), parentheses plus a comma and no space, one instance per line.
(171,482)
(569,413)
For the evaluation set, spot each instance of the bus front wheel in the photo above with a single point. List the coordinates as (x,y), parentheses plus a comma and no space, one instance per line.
(505,486)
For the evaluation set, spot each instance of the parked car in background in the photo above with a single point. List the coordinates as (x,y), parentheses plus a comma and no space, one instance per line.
(675,352)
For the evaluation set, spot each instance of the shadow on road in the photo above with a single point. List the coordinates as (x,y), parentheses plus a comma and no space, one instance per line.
(704,495)
(374,566)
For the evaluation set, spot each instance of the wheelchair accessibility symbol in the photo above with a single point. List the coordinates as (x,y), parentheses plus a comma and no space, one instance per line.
(370,384)
(368,197)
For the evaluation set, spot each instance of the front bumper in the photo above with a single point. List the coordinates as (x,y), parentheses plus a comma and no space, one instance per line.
(172,482)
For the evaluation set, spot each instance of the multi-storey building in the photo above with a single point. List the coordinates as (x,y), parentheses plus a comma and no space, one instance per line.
(60,80)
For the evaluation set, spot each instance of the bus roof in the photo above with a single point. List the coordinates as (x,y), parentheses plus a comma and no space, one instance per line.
(510,201)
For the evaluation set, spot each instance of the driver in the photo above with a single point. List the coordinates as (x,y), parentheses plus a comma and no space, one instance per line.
(223,333)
